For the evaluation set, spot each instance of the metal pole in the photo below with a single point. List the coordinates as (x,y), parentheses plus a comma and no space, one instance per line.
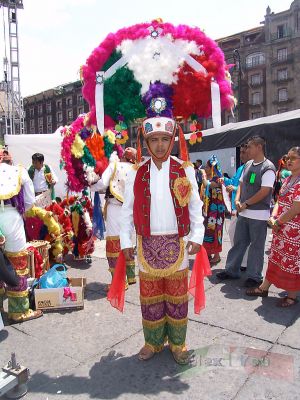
(237,61)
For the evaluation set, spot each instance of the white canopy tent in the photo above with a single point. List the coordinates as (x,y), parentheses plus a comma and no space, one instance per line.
(23,146)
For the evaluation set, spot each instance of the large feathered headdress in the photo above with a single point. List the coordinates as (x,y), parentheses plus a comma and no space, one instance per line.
(155,70)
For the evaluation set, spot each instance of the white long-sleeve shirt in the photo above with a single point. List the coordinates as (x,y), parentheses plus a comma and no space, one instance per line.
(39,181)
(162,214)
(28,189)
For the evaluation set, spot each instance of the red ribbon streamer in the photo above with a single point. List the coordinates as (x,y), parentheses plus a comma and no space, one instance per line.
(116,293)
(201,269)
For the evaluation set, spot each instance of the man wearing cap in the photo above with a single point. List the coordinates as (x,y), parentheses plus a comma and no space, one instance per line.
(162,201)
(112,183)
(16,196)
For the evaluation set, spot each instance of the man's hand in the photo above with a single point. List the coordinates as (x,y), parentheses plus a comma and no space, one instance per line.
(192,248)
(229,188)
(2,240)
(128,254)
(238,206)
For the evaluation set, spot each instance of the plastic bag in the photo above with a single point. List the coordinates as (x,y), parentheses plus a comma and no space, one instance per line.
(56,277)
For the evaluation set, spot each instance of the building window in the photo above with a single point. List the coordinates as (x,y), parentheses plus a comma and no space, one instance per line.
(69,102)
(281,31)
(49,128)
(48,108)
(79,99)
(255,98)
(31,112)
(49,119)
(255,79)
(40,121)
(282,54)
(80,110)
(58,105)
(40,109)
(255,59)
(31,123)
(255,115)
(70,115)
(282,94)
(32,131)
(41,129)
(59,117)
(282,110)
(282,74)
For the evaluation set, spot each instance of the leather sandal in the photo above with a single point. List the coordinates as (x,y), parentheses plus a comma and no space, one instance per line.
(287,302)
(182,357)
(145,353)
(257,292)
(30,314)
(215,262)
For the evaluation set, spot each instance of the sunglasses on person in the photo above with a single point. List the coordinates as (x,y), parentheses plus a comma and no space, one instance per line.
(292,158)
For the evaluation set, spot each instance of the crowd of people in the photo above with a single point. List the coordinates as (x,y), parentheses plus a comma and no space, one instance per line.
(196,201)
(261,196)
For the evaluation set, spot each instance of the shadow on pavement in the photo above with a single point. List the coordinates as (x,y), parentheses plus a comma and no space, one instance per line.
(282,316)
(95,291)
(3,335)
(115,375)
(268,311)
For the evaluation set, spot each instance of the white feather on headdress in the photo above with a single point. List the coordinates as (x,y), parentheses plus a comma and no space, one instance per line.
(157,59)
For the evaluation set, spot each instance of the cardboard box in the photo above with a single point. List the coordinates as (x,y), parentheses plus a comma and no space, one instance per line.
(53,299)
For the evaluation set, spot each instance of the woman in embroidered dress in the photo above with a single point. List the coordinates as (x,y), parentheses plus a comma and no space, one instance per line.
(284,260)
(213,210)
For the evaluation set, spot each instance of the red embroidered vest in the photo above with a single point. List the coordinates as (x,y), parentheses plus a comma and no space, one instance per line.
(142,200)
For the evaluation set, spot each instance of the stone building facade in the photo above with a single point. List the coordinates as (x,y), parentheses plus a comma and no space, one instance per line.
(266,74)
(48,110)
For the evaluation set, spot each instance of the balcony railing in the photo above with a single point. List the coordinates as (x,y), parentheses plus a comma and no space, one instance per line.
(283,59)
(286,33)
(256,83)
(283,101)
(255,63)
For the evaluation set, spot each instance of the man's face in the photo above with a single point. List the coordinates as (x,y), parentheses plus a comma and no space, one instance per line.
(159,145)
(37,164)
(253,150)
(244,154)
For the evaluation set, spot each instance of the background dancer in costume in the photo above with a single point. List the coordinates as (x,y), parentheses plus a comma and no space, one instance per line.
(113,183)
(42,176)
(162,201)
(213,210)
(16,195)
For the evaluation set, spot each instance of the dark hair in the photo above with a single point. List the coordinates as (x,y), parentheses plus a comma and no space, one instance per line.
(258,140)
(243,145)
(38,157)
(296,149)
(199,161)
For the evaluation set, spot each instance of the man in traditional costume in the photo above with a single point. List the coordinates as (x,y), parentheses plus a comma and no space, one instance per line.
(162,201)
(113,183)
(44,179)
(16,196)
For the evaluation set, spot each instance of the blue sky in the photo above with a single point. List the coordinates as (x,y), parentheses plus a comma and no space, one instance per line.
(57,36)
